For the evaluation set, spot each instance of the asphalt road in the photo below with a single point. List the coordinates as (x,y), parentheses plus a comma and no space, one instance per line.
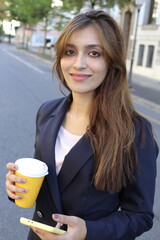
(25,83)
(146,92)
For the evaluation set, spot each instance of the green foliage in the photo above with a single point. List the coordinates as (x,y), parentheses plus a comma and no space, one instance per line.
(74,4)
(2,10)
(59,25)
(28,11)
(1,31)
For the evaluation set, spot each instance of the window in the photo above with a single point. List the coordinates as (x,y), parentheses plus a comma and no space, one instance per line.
(153,11)
(150,56)
(140,55)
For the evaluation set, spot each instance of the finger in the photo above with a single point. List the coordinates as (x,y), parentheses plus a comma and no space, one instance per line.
(63,219)
(58,225)
(44,235)
(11,167)
(13,195)
(13,188)
(14,192)
(36,231)
(10,176)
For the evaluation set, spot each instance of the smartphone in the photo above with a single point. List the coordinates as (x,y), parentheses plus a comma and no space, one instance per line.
(42,226)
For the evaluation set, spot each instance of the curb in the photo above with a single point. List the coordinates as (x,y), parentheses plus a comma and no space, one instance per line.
(37,57)
(145,102)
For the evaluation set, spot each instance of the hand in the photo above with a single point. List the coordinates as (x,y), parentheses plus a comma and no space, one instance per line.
(11,179)
(76,229)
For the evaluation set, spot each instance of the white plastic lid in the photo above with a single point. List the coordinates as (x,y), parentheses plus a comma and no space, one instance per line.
(31,167)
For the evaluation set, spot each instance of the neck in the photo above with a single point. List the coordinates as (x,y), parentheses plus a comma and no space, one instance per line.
(76,120)
(81,104)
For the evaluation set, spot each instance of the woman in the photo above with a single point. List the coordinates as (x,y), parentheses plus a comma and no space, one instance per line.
(100,152)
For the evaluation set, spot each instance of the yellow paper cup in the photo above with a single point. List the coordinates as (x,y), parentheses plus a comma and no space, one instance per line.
(33,171)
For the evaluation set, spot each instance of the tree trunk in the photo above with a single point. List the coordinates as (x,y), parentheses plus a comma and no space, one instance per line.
(45,35)
(29,35)
(24,35)
(93,3)
(9,36)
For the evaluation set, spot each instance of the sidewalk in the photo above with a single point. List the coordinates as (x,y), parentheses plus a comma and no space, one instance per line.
(38,51)
(146,82)
(146,90)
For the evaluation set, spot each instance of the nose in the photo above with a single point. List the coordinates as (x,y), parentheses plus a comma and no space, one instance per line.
(80,62)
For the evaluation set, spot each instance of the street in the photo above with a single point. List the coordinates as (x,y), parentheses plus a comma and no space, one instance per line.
(25,83)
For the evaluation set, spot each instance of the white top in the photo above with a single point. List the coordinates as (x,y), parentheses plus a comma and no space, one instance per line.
(65,141)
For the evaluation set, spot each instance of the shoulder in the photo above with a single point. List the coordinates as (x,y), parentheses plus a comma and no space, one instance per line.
(142,125)
(51,105)
(49,108)
(144,134)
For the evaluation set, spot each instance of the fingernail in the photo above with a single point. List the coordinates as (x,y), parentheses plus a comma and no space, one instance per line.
(15,167)
(24,190)
(56,216)
(22,180)
(20,197)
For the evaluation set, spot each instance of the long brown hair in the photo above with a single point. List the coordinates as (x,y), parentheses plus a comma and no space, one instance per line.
(111,129)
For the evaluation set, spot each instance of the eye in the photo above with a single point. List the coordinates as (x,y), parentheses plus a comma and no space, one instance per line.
(94,54)
(70,52)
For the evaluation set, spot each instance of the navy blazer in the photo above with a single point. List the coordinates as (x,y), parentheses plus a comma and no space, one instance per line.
(119,216)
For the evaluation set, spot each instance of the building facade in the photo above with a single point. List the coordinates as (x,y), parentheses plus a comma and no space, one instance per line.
(147,45)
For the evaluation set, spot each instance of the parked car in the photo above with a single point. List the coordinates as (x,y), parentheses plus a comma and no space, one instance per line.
(50,42)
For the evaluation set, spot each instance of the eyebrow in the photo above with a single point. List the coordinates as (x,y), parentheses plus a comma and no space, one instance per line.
(87,46)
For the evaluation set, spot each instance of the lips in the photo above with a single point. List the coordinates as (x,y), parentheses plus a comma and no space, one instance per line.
(79,77)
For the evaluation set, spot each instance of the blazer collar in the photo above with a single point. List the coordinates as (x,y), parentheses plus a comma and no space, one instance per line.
(74,160)
(63,106)
(80,154)
(49,136)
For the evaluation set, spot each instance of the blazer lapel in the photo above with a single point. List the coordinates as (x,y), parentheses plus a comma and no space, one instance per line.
(74,161)
(49,136)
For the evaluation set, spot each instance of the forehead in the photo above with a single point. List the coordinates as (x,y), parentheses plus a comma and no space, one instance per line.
(87,35)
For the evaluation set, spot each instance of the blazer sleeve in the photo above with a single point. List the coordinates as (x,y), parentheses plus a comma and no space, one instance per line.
(37,152)
(135,215)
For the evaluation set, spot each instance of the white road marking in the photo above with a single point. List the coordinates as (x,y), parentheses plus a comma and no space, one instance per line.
(22,61)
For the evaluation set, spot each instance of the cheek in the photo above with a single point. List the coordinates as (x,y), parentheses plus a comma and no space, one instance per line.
(62,64)
(99,67)
(65,64)
(102,71)
(102,74)
(63,68)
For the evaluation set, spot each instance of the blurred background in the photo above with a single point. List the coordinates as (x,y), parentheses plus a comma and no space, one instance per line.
(28,32)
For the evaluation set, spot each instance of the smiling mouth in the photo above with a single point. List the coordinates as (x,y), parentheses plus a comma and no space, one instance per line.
(79,77)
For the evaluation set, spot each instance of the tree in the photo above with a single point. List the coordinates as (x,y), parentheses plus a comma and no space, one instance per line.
(72,7)
(77,5)
(29,12)
(2,16)
(2,9)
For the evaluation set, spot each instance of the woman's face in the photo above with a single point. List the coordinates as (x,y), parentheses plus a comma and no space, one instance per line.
(84,65)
